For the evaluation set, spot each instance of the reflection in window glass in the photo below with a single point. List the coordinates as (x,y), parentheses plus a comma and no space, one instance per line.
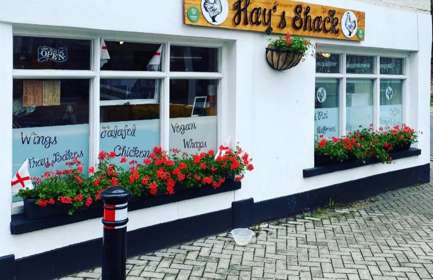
(327,63)
(129,89)
(359,104)
(193,115)
(130,56)
(391,66)
(193,59)
(130,130)
(326,113)
(51,53)
(50,123)
(391,103)
(360,64)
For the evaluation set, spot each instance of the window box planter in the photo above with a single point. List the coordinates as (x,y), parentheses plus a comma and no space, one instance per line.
(320,160)
(325,166)
(34,212)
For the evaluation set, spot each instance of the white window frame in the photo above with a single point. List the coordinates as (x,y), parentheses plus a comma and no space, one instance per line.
(376,76)
(95,74)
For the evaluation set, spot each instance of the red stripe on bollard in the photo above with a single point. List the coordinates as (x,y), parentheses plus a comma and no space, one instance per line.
(109,215)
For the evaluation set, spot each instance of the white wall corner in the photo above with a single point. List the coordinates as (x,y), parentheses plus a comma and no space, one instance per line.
(6,51)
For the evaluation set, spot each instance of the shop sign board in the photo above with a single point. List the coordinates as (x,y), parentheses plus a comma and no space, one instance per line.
(277,17)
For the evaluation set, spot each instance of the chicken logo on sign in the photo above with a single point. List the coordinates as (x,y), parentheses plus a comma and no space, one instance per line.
(215,11)
(349,24)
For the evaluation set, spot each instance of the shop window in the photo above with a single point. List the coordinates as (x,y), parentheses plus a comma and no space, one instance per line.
(50,123)
(391,102)
(326,113)
(132,102)
(359,111)
(327,62)
(51,53)
(193,115)
(127,56)
(360,64)
(130,116)
(193,59)
(391,66)
(354,92)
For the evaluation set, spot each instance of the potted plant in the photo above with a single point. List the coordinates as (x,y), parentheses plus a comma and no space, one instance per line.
(160,178)
(286,52)
(365,146)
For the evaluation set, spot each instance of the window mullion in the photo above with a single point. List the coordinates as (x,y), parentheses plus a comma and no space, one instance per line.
(94,110)
(342,98)
(165,102)
(376,96)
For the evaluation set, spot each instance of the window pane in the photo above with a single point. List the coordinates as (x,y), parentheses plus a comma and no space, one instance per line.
(50,123)
(326,113)
(130,56)
(51,53)
(391,103)
(193,59)
(193,115)
(131,130)
(360,64)
(359,104)
(327,63)
(129,89)
(391,66)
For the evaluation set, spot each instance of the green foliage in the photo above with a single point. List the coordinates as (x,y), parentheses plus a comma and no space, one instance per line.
(366,144)
(290,43)
(159,174)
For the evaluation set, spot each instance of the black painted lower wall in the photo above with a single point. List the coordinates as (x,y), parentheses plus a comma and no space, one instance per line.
(82,256)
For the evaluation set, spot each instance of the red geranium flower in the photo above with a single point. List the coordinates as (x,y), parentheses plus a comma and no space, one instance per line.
(196,158)
(147,161)
(112,154)
(157,150)
(97,182)
(288,39)
(170,186)
(89,201)
(102,155)
(123,159)
(323,142)
(51,201)
(65,200)
(250,167)
(114,181)
(162,174)
(182,165)
(207,180)
(235,164)
(239,178)
(42,203)
(78,197)
(145,180)
(91,170)
(153,189)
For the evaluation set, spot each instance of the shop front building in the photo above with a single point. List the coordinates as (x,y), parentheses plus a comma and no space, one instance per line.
(190,76)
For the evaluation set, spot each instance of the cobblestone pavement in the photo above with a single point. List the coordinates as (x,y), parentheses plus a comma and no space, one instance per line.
(388,237)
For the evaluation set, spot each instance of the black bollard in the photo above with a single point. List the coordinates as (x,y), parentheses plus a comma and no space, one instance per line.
(114,240)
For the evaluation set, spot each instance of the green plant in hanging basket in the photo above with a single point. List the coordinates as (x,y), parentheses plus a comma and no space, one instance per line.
(286,51)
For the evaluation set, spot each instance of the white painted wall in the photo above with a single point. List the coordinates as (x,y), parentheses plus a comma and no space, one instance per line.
(413,4)
(271,114)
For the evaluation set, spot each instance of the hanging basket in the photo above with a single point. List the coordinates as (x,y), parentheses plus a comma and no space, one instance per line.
(281,60)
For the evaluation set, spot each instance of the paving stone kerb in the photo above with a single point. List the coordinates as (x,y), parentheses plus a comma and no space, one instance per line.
(388,237)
